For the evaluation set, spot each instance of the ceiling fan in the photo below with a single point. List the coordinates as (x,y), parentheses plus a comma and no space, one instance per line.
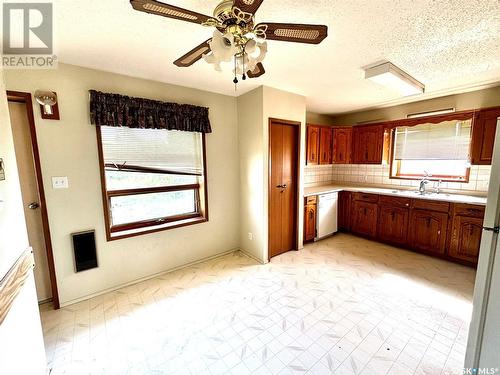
(236,38)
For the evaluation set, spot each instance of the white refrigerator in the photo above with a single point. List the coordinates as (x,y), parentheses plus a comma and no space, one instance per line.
(483,347)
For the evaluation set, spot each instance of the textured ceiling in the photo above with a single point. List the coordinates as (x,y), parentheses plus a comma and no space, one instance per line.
(449,45)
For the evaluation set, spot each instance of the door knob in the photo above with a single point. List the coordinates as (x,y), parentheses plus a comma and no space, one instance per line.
(33,206)
(283,186)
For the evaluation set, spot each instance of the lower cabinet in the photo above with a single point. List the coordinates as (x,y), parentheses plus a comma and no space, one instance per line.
(310,219)
(344,211)
(466,238)
(428,231)
(364,220)
(393,224)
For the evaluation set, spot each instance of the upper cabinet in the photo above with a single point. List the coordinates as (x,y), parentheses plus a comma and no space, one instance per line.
(342,145)
(325,145)
(483,136)
(312,144)
(368,144)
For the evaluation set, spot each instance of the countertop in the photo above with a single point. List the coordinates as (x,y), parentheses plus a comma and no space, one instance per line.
(454,198)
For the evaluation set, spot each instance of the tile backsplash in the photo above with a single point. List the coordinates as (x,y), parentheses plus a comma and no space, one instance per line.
(378,175)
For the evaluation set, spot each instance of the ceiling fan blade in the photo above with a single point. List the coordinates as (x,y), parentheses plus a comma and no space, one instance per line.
(294,32)
(194,55)
(257,72)
(166,10)
(248,6)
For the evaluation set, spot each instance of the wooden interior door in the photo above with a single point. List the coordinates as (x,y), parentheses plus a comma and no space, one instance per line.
(31,197)
(283,197)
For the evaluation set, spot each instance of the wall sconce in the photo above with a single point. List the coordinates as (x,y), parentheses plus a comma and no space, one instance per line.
(48,104)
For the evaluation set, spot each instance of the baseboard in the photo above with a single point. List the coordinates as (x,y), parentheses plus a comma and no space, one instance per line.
(246,253)
(112,289)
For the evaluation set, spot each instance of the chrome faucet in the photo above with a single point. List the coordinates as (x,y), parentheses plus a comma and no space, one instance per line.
(424,181)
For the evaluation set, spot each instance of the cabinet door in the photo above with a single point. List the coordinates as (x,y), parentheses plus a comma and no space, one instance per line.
(428,230)
(466,238)
(365,218)
(344,214)
(325,145)
(309,222)
(483,136)
(342,145)
(368,144)
(312,144)
(393,224)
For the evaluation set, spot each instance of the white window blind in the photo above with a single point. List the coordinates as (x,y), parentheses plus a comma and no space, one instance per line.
(448,140)
(167,150)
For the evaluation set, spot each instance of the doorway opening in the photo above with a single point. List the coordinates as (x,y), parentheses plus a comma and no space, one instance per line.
(33,194)
(284,151)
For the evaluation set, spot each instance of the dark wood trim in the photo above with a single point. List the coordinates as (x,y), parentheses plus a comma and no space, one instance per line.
(135,168)
(25,97)
(182,220)
(297,190)
(153,222)
(152,190)
(461,115)
(184,223)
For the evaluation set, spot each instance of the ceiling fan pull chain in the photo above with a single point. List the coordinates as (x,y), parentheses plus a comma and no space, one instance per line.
(235,80)
(244,77)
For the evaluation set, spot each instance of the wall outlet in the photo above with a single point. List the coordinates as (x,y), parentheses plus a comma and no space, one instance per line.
(250,236)
(60,182)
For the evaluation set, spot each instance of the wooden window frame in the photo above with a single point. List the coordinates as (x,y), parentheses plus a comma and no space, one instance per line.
(121,231)
(399,176)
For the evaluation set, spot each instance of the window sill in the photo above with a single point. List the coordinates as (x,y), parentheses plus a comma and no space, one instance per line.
(156,228)
(431,179)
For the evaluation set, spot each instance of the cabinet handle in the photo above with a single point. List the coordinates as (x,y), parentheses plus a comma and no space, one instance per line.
(439,232)
(407,204)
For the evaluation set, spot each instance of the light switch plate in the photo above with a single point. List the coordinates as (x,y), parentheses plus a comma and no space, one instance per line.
(60,182)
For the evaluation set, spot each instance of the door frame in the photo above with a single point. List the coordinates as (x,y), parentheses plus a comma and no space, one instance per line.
(298,124)
(25,98)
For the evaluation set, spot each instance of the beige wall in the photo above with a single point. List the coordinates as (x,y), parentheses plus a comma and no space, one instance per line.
(254,111)
(68,148)
(251,157)
(470,100)
(318,119)
(21,342)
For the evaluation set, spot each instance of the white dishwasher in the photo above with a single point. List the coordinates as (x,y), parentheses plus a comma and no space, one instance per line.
(327,215)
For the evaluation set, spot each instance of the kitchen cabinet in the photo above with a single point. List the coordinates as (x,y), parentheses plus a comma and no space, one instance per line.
(342,145)
(310,209)
(368,142)
(313,142)
(365,214)
(344,212)
(325,145)
(393,219)
(428,231)
(466,231)
(483,136)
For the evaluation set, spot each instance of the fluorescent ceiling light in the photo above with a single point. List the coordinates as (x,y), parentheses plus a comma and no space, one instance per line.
(431,113)
(389,75)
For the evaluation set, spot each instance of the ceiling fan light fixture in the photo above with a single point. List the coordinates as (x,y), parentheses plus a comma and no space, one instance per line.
(389,75)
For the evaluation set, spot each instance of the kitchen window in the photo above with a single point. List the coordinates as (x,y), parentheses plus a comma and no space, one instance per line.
(153,179)
(441,151)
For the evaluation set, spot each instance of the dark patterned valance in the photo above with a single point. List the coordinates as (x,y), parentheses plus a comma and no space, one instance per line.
(119,110)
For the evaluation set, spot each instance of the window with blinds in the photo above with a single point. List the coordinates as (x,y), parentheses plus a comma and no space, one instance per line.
(439,150)
(152,177)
